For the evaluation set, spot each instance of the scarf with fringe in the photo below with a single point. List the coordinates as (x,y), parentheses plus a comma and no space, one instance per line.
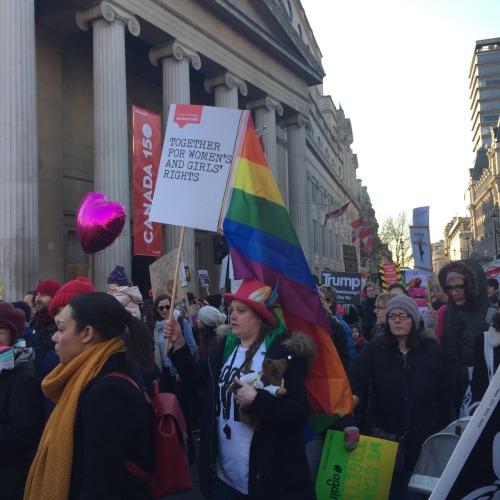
(14,355)
(50,473)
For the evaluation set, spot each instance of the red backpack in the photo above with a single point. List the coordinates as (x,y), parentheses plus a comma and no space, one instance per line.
(171,467)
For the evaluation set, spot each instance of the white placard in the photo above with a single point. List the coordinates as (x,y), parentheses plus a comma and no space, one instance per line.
(195,166)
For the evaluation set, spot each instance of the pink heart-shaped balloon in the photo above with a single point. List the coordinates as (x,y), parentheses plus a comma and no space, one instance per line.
(98,222)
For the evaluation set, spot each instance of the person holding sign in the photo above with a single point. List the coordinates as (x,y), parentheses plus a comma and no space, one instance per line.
(410,387)
(238,460)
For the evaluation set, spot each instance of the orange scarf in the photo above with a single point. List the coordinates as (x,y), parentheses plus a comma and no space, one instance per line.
(50,473)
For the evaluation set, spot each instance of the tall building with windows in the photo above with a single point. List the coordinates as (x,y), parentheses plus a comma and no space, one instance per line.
(484,77)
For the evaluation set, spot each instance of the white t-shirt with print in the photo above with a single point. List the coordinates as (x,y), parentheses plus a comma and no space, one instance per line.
(234,453)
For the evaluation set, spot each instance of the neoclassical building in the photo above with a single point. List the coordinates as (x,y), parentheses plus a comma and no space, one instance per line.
(73,69)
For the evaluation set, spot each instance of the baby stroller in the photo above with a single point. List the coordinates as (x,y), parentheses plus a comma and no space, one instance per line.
(436,451)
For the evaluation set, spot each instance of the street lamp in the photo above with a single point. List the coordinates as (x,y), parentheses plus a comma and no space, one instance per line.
(494,217)
(468,251)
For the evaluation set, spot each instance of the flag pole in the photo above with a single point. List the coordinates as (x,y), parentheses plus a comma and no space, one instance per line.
(176,280)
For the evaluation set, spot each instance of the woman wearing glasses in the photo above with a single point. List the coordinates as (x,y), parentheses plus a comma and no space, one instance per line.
(167,373)
(380,305)
(410,386)
(467,316)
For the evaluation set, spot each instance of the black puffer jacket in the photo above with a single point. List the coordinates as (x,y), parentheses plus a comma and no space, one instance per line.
(463,324)
(278,465)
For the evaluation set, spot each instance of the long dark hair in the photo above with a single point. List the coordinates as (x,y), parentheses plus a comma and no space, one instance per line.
(162,296)
(387,338)
(110,319)
(265,328)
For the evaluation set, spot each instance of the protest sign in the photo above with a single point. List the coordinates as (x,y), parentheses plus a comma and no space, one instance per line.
(162,274)
(204,279)
(492,269)
(350,258)
(365,472)
(389,274)
(473,471)
(410,274)
(195,166)
(421,216)
(421,247)
(348,286)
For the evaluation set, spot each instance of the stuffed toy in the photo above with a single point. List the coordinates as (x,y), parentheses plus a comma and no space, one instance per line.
(269,379)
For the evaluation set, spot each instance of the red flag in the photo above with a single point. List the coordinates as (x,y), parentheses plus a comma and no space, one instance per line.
(356,228)
(364,233)
(371,242)
(357,223)
(337,212)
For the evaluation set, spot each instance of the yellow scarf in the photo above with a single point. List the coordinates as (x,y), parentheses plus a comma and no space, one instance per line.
(50,472)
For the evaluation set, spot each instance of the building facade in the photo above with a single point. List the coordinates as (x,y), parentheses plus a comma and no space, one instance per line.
(484,77)
(65,113)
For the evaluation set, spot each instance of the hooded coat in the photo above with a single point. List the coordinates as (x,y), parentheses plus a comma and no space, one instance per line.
(463,324)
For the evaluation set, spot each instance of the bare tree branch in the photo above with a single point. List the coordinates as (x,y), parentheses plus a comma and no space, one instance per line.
(395,233)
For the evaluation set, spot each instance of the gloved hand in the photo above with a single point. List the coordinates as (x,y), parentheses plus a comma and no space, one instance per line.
(351,438)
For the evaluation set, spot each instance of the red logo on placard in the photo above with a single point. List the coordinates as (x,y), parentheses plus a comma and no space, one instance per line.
(187,113)
(492,272)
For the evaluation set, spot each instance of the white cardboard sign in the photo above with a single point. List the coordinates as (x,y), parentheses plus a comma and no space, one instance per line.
(196,161)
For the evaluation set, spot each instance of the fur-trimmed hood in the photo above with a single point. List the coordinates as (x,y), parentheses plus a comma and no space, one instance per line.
(302,346)
(475,278)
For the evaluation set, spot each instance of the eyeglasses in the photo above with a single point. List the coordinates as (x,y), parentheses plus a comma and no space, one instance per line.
(456,288)
(401,316)
(379,307)
(163,308)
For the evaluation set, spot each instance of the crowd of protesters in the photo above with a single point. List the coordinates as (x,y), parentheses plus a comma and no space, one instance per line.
(415,358)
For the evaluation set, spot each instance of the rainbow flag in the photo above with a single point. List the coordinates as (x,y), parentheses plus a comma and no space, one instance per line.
(264,246)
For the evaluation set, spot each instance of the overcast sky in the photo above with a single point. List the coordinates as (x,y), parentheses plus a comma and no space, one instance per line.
(400,68)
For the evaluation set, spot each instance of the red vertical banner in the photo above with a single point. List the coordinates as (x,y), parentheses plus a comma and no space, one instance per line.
(146,137)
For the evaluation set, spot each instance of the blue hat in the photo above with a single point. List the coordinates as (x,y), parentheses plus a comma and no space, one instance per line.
(119,277)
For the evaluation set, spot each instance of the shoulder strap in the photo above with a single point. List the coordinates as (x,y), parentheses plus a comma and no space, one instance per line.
(131,380)
(488,355)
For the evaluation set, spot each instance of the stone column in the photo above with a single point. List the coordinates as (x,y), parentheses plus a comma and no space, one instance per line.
(175,59)
(225,87)
(19,235)
(297,178)
(111,168)
(265,110)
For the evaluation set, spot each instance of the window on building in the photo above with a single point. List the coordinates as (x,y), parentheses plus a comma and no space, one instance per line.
(489,70)
(490,118)
(315,236)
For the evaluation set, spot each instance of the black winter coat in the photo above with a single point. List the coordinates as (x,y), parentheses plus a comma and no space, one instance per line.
(278,465)
(21,422)
(41,343)
(391,377)
(113,422)
(463,324)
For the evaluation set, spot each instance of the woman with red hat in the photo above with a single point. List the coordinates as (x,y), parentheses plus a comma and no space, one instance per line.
(21,405)
(238,460)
